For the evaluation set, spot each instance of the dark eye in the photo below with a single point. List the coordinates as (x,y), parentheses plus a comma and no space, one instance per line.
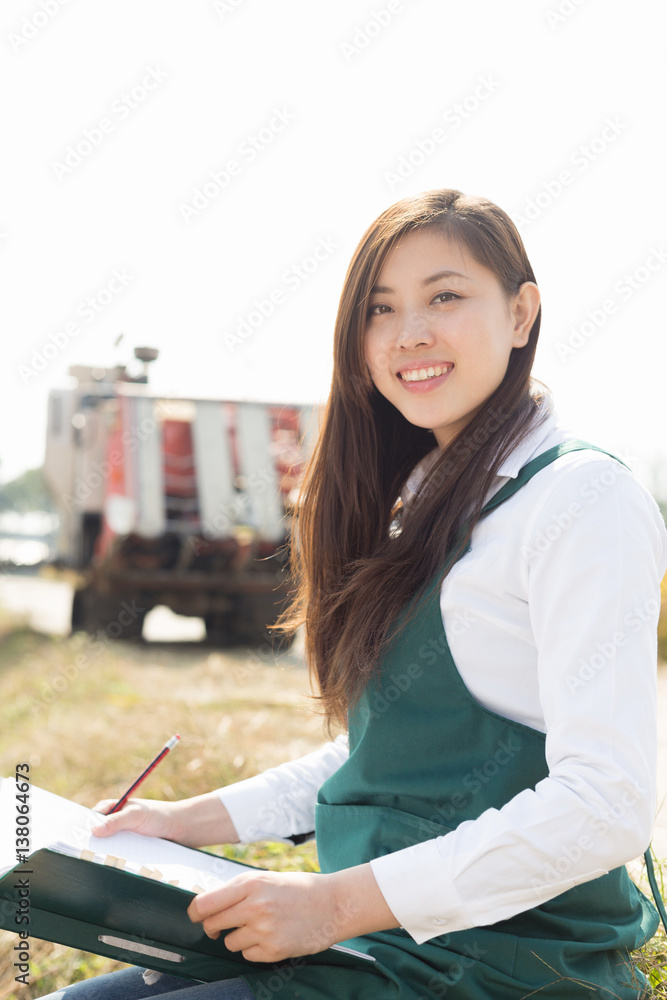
(446,296)
(377,310)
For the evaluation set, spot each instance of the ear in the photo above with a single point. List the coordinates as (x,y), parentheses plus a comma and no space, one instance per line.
(525,307)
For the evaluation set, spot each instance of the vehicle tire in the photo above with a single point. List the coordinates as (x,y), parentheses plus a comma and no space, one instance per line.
(94,612)
(220,630)
(256,613)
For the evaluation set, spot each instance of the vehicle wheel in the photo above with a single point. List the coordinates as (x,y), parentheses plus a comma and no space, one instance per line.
(256,614)
(220,630)
(93,612)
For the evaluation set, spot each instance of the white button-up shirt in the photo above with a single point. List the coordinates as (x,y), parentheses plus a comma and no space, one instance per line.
(551,619)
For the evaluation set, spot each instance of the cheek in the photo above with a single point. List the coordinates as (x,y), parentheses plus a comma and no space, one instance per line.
(488,348)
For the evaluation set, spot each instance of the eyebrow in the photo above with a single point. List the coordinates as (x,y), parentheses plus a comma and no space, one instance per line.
(385,290)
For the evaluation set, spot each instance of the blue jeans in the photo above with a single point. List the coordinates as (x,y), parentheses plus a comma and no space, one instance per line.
(129,984)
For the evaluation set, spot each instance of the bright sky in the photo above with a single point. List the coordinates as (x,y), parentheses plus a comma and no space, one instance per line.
(315,117)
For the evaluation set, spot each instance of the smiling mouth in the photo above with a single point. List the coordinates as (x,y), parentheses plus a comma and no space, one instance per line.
(424,374)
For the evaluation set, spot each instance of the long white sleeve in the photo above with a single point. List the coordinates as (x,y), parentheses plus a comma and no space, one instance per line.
(280,802)
(563,583)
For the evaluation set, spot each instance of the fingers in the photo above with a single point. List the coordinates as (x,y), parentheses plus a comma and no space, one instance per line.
(103,805)
(124,819)
(213,909)
(269,916)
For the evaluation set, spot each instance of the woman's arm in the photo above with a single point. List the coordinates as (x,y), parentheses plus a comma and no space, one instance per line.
(280,802)
(195,822)
(276,804)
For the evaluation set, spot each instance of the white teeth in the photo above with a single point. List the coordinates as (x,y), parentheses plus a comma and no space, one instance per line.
(421,374)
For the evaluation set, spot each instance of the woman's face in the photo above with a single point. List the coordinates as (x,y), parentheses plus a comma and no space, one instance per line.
(440,330)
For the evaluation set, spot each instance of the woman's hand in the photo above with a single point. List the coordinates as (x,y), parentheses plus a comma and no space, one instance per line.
(278,915)
(196,822)
(153,819)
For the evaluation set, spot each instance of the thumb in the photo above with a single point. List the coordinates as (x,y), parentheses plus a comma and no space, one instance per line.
(108,824)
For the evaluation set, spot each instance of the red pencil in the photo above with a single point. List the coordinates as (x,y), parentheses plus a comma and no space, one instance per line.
(154,763)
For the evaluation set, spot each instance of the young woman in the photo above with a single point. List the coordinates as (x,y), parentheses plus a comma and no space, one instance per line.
(489,643)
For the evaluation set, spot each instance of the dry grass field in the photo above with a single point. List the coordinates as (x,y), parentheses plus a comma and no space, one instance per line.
(87,731)
(87,736)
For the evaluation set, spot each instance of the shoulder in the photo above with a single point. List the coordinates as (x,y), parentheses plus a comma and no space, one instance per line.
(584,492)
(598,502)
(587,476)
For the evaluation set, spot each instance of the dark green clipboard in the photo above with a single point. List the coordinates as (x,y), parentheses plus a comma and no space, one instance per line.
(83,904)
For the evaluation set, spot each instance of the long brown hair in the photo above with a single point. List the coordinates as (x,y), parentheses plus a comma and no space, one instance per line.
(352,574)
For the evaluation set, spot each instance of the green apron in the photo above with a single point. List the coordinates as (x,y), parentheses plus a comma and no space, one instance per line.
(418,768)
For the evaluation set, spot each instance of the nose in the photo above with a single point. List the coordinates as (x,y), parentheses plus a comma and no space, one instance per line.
(414,331)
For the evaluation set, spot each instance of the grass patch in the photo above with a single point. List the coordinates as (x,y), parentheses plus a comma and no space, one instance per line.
(88,730)
(662,623)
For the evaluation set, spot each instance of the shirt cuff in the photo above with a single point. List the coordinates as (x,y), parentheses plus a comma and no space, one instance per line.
(418,891)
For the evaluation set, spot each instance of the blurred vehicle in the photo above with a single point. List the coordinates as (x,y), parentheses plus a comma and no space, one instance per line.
(172,501)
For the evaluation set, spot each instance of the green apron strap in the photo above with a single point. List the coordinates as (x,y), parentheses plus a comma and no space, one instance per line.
(511,487)
(529,470)
(653,882)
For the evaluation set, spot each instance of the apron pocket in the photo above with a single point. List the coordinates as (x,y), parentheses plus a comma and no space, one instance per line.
(353,835)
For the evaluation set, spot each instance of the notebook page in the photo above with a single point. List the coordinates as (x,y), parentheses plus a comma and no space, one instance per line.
(50,817)
(64,826)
